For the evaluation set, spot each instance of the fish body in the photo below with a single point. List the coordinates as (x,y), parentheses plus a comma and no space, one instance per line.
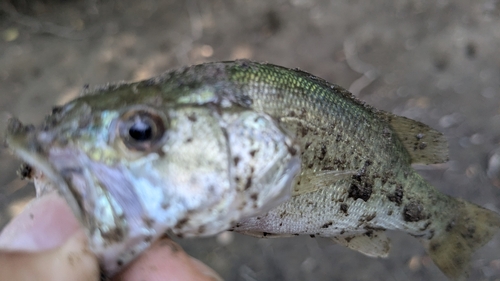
(224,145)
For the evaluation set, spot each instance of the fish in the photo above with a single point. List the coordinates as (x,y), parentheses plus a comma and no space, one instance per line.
(249,147)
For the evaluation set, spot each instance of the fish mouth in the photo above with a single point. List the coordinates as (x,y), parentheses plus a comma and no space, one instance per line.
(23,142)
(101,197)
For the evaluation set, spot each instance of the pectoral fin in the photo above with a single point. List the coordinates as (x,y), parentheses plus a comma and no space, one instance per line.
(312,181)
(376,244)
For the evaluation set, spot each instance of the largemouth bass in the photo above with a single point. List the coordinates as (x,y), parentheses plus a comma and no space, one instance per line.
(255,148)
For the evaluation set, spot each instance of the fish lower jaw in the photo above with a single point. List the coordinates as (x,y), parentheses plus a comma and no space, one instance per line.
(113,257)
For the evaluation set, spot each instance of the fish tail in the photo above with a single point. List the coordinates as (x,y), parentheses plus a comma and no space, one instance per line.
(469,228)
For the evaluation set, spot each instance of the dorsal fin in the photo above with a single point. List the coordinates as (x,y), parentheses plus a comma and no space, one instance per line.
(424,144)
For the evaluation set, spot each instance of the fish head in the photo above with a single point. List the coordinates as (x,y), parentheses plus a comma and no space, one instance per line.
(133,167)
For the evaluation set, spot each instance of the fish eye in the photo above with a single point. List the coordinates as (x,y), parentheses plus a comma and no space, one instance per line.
(141,129)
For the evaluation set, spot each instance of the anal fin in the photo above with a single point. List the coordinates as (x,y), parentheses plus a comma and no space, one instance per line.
(377,244)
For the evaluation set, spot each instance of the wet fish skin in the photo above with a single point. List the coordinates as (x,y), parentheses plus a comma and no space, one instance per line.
(355,181)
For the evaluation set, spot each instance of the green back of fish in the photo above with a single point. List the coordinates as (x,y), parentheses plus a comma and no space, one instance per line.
(315,106)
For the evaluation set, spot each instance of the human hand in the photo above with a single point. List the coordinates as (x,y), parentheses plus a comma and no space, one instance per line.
(45,242)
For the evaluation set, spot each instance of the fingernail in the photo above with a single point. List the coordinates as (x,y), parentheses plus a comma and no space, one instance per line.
(46,223)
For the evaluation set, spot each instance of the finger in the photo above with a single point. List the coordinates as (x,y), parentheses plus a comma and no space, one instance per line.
(45,242)
(72,261)
(46,223)
(166,261)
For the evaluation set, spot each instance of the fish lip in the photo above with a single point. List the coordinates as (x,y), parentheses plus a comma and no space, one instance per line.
(21,139)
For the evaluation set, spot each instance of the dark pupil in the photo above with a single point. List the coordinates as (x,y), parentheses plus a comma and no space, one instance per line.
(141,131)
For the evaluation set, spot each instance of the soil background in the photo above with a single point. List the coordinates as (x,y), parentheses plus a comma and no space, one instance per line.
(433,61)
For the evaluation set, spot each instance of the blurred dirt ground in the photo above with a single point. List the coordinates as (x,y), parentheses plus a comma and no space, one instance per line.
(434,61)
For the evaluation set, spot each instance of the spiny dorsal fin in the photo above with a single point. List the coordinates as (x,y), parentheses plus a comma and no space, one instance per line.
(374,245)
(425,145)
(310,181)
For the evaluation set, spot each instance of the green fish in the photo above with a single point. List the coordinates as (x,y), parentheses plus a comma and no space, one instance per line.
(255,148)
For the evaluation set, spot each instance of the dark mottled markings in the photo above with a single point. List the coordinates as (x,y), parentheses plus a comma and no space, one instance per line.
(374,228)
(201,229)
(115,234)
(265,234)
(312,235)
(149,222)
(303,131)
(360,191)
(59,109)
(434,246)
(248,183)
(322,152)
(361,187)
(254,196)
(283,214)
(181,223)
(343,208)
(370,217)
(24,171)
(119,262)
(192,117)
(292,150)
(413,212)
(450,225)
(252,152)
(188,140)
(425,226)
(431,234)
(397,196)
(471,230)
(326,225)
(303,113)
(236,160)
(307,145)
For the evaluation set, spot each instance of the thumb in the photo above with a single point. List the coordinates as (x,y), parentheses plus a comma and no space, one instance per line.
(45,242)
(46,223)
